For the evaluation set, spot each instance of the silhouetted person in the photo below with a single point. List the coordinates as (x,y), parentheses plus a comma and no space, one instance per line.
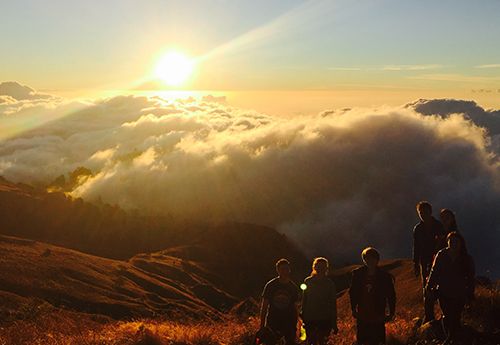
(371,292)
(452,275)
(319,304)
(428,239)
(449,222)
(280,303)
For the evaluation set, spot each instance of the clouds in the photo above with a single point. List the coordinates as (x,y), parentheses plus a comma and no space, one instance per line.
(411,67)
(459,78)
(22,108)
(334,182)
(494,65)
(20,92)
(421,67)
(488,119)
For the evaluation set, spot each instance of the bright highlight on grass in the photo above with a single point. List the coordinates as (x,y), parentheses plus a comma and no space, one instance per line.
(174,68)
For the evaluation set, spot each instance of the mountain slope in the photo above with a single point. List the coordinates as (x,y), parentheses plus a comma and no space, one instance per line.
(119,289)
(225,249)
(46,325)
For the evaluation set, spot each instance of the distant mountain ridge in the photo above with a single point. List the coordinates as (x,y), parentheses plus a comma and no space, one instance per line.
(225,249)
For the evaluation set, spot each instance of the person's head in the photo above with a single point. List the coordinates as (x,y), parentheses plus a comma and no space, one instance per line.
(320,267)
(283,268)
(370,257)
(456,242)
(424,211)
(448,219)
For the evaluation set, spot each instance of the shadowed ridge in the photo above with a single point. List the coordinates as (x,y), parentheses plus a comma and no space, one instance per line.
(242,256)
(86,283)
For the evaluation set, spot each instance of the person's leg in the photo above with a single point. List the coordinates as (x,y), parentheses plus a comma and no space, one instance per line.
(311,332)
(429,298)
(429,302)
(324,329)
(362,335)
(283,330)
(445,305)
(290,334)
(375,333)
(379,333)
(288,330)
(455,314)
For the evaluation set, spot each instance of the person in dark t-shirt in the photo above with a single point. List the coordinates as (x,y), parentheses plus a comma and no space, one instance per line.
(371,294)
(280,301)
(429,237)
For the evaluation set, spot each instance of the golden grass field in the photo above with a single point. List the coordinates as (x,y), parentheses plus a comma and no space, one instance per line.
(44,324)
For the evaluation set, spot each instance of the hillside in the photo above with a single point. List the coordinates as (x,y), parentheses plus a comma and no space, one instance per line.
(242,256)
(32,321)
(225,249)
(118,289)
(144,280)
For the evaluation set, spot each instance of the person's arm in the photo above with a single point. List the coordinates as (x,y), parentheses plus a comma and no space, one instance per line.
(263,312)
(334,308)
(416,251)
(435,272)
(391,297)
(264,307)
(297,310)
(304,301)
(298,302)
(353,295)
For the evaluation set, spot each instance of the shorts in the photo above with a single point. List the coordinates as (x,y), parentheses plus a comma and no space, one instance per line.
(320,328)
(288,330)
(370,333)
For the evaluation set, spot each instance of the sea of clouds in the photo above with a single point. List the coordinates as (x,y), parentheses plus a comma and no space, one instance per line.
(334,182)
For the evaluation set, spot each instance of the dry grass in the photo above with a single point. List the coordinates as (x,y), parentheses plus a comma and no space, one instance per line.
(50,326)
(36,324)
(62,329)
(57,330)
(58,327)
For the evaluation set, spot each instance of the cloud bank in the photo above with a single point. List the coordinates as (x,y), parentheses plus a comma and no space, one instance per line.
(335,182)
(20,92)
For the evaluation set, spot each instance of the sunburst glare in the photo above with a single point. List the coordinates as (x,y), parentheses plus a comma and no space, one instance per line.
(174,68)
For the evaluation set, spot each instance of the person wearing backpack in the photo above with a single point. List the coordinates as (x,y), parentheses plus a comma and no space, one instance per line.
(319,304)
(372,293)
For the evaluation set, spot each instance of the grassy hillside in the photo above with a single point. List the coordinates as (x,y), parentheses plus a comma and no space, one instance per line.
(131,280)
(226,250)
(46,324)
(119,289)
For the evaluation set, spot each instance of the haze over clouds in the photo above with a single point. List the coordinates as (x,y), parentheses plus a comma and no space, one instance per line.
(334,182)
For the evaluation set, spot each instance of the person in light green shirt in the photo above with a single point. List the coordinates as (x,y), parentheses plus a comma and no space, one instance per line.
(319,304)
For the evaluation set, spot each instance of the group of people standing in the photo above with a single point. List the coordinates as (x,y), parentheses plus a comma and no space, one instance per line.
(445,267)
(440,260)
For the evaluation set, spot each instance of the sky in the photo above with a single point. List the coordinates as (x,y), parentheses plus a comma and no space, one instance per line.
(387,50)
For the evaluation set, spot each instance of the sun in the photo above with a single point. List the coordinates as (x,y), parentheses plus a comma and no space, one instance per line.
(174,68)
